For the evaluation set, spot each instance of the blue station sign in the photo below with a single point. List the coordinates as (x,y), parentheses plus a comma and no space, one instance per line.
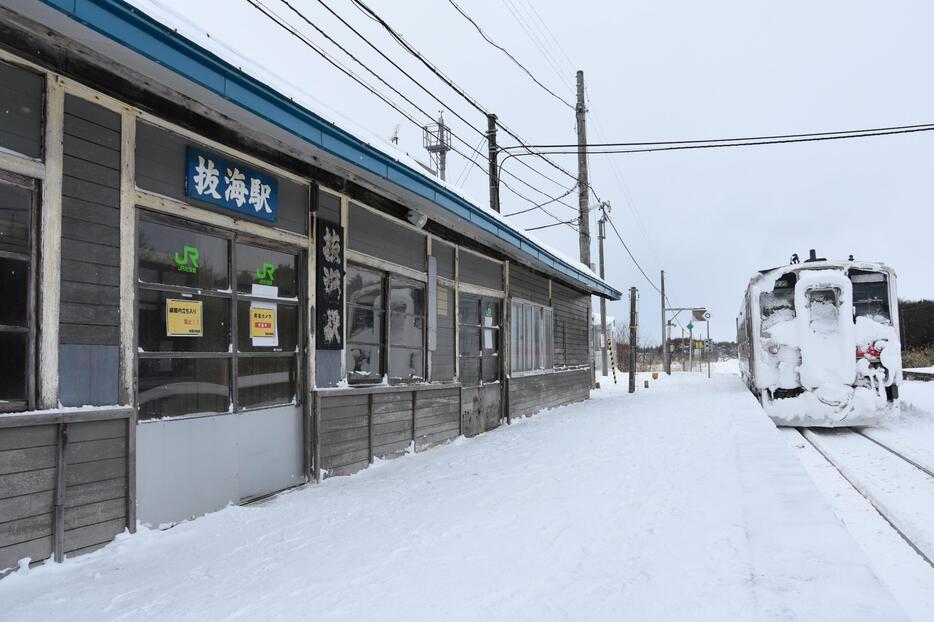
(217,180)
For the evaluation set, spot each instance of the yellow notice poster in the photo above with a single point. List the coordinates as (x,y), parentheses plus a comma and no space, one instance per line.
(262,322)
(183,318)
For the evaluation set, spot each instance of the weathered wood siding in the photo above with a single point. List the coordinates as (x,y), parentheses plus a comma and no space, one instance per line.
(21,92)
(571,317)
(478,270)
(373,423)
(437,417)
(527,285)
(90,461)
(344,433)
(480,408)
(89,328)
(27,492)
(531,394)
(379,237)
(160,168)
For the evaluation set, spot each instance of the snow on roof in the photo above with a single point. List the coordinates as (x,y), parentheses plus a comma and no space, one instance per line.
(217,46)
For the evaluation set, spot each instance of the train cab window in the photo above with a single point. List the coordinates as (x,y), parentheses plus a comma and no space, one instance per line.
(823,310)
(778,305)
(870,295)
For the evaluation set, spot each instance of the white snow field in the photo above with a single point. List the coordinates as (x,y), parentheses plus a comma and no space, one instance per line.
(682,502)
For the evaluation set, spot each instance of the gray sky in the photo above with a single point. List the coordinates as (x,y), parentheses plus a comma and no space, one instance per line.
(661,71)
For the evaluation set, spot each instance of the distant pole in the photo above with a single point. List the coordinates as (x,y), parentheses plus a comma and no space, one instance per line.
(583,184)
(690,349)
(633,339)
(668,349)
(494,174)
(601,236)
(707,348)
(665,366)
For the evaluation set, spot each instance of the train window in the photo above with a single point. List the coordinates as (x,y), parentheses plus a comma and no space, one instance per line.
(870,295)
(776,306)
(823,310)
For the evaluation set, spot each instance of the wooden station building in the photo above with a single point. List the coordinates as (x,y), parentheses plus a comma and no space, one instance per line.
(209,293)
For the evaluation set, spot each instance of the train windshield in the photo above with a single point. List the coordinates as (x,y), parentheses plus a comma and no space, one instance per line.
(871,295)
(824,310)
(778,305)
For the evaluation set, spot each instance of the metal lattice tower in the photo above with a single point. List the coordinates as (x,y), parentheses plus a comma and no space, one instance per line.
(436,138)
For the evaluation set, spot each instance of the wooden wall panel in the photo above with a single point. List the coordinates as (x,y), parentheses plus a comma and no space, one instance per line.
(91,459)
(531,394)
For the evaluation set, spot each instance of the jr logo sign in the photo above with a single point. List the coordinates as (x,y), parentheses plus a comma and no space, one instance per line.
(188,260)
(266,274)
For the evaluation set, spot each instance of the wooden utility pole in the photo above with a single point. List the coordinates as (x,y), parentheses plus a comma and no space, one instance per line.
(633,338)
(601,235)
(494,173)
(583,183)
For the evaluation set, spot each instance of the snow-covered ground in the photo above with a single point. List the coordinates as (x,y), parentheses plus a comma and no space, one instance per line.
(680,502)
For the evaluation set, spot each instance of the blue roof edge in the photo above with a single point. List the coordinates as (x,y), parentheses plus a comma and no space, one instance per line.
(133,29)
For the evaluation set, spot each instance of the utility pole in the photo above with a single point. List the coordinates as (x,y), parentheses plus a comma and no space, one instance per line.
(668,347)
(494,173)
(601,235)
(583,184)
(707,348)
(633,339)
(690,349)
(665,366)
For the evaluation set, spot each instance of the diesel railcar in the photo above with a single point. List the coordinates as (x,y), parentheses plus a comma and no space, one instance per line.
(818,342)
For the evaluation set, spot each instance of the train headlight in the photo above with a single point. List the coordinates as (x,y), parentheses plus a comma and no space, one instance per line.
(773,349)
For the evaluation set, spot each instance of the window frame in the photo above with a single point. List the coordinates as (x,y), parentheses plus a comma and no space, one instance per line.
(384,342)
(530,319)
(483,353)
(234,297)
(32,271)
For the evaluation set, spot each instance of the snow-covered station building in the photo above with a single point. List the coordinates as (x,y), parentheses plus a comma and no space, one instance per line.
(209,292)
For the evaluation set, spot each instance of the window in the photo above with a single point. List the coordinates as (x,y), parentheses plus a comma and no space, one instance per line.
(205,346)
(824,310)
(364,315)
(478,332)
(406,330)
(17,284)
(777,305)
(532,339)
(371,353)
(871,295)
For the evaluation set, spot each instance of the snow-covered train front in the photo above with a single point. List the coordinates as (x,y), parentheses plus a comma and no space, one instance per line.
(818,342)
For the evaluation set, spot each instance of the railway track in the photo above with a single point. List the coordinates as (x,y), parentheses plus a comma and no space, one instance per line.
(896,481)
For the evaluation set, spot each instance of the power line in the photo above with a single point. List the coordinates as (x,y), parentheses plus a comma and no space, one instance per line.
(476,151)
(284,24)
(682,147)
(541,205)
(554,224)
(514,10)
(924,127)
(387,58)
(511,57)
(450,83)
(631,256)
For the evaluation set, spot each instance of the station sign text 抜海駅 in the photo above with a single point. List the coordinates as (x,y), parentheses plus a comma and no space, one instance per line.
(219,181)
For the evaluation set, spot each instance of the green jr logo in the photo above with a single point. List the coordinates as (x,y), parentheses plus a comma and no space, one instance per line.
(188,261)
(266,274)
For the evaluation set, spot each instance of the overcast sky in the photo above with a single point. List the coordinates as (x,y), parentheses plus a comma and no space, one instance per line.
(672,70)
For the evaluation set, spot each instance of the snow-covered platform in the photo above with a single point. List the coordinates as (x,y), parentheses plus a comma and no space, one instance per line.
(680,502)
